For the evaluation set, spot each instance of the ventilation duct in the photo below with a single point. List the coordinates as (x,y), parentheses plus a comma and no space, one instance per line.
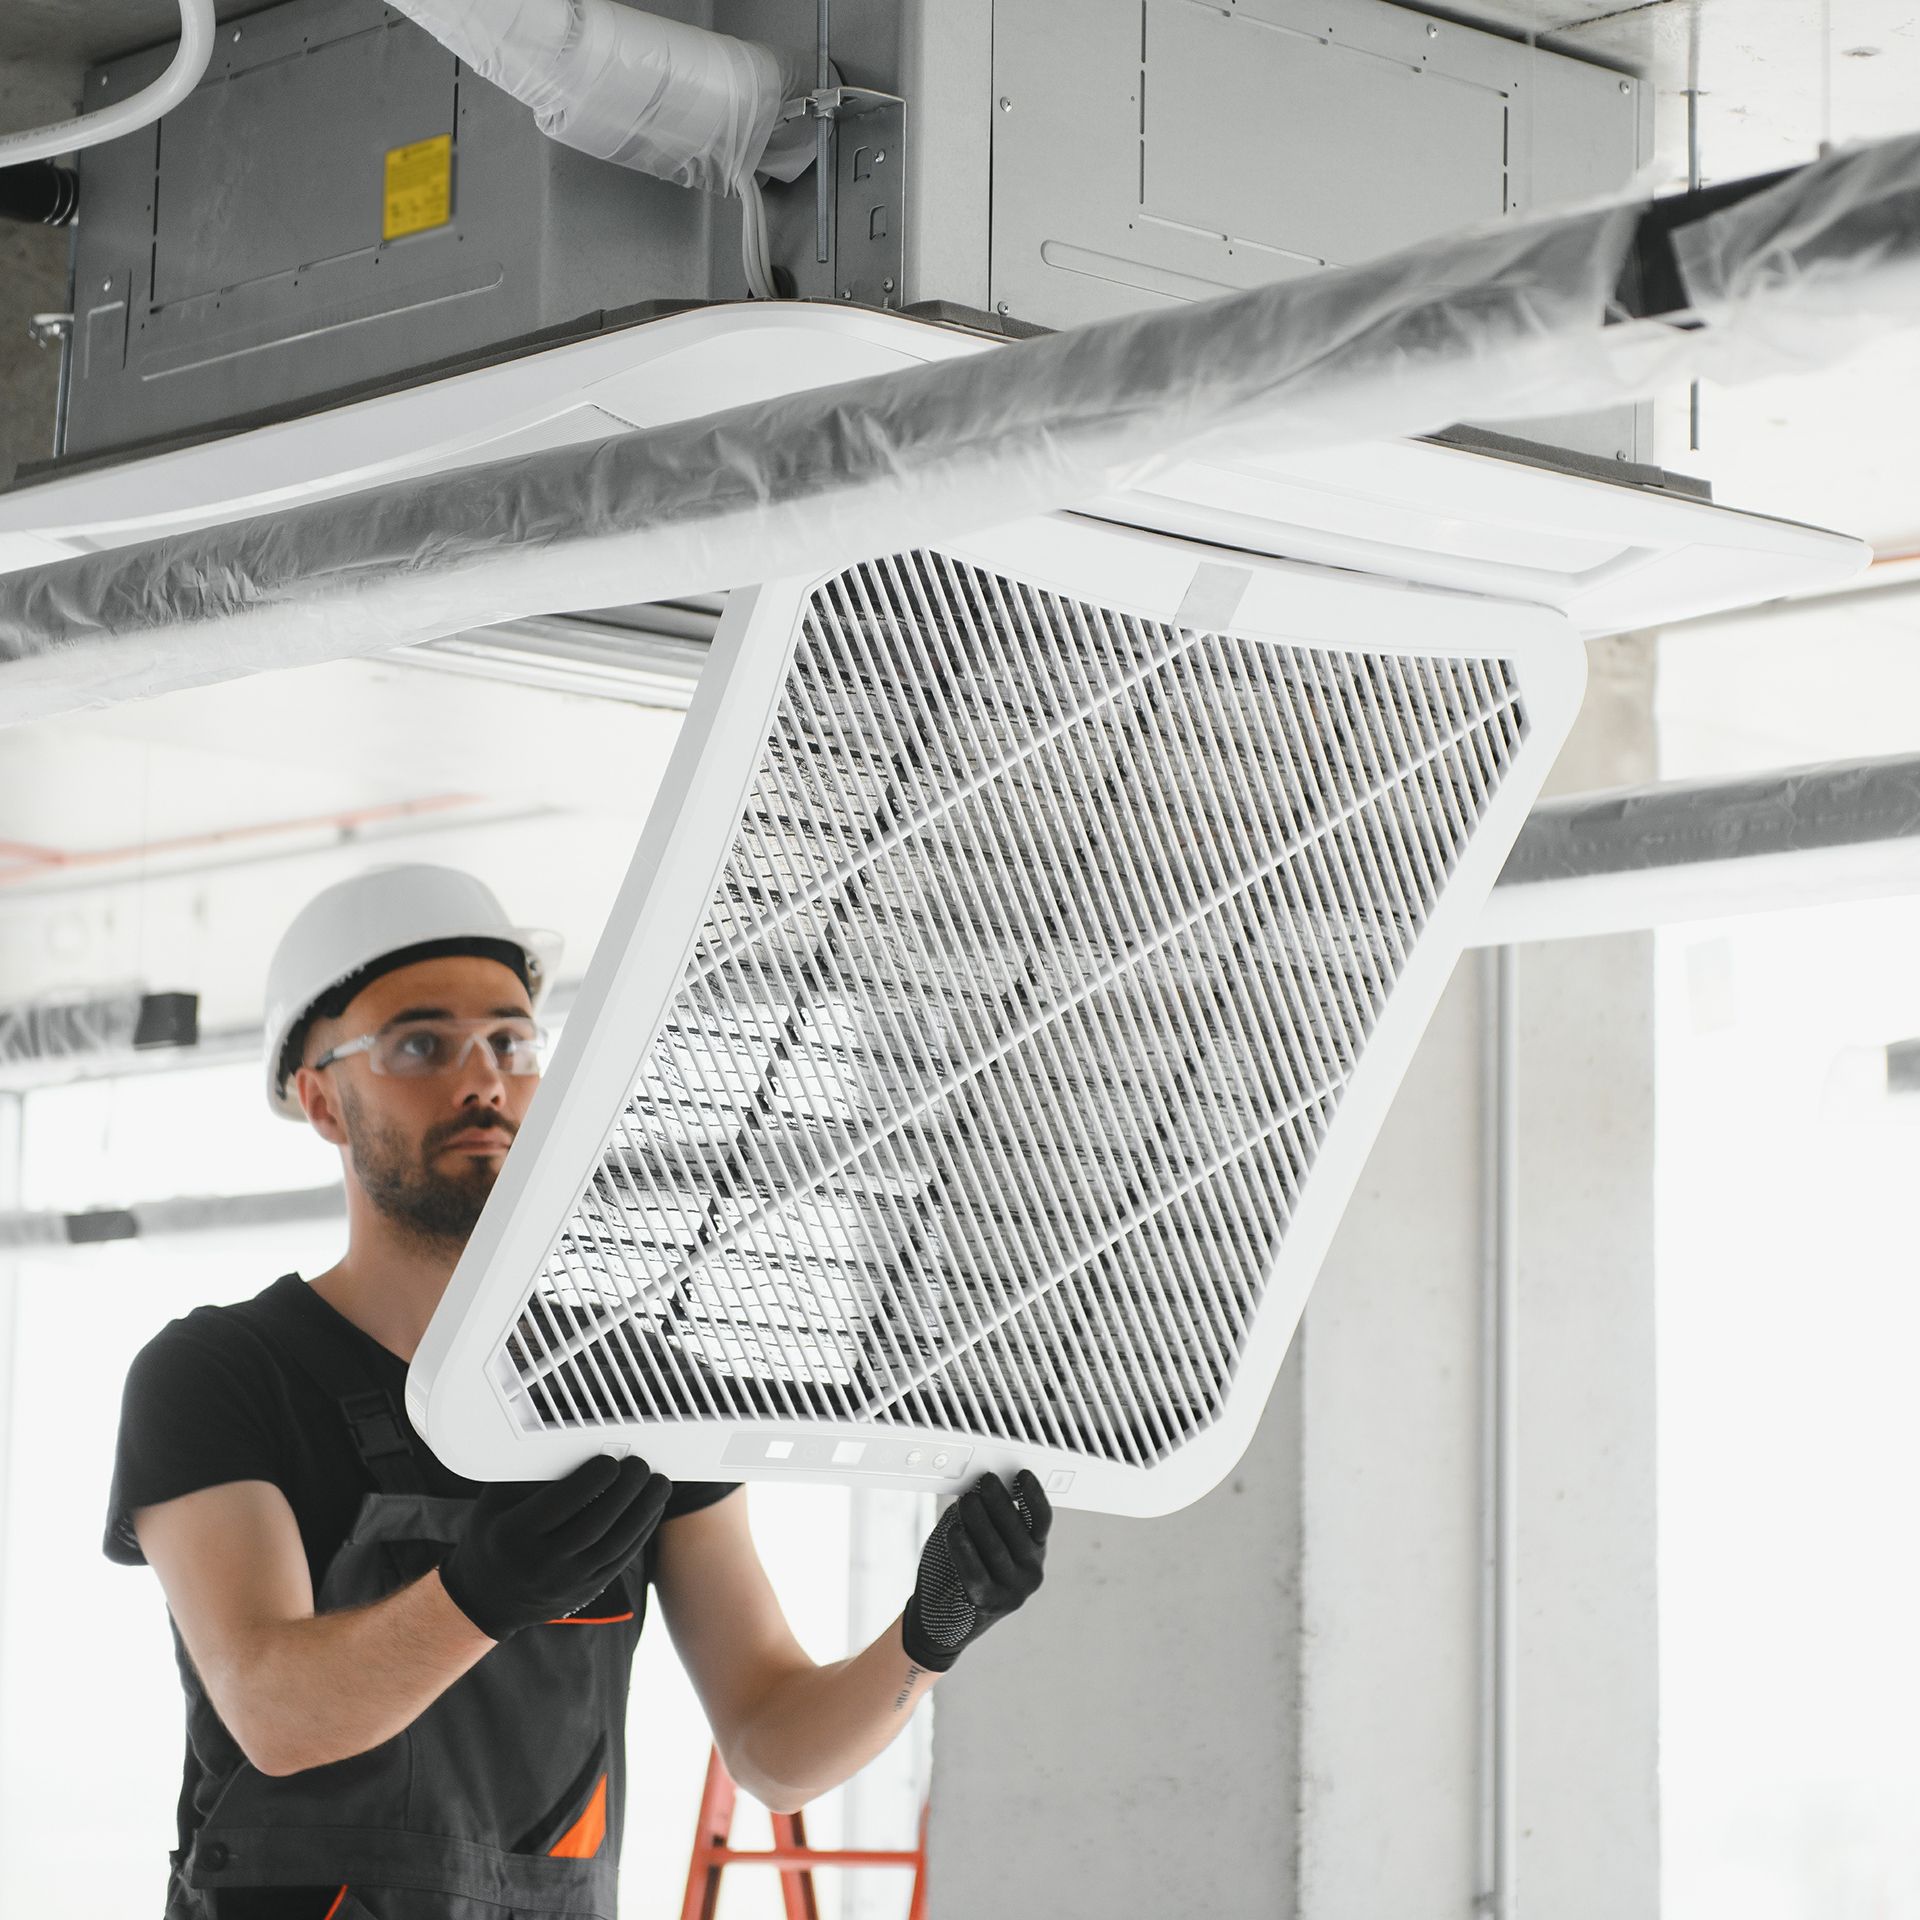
(738,443)
(111,1024)
(679,102)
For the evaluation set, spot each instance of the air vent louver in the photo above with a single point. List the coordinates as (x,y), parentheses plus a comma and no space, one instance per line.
(1036,972)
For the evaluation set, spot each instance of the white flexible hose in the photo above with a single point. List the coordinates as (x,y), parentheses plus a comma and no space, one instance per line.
(755,260)
(126,116)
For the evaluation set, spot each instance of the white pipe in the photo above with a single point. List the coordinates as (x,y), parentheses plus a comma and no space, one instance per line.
(1486,1836)
(1589,906)
(1497,1895)
(53,1232)
(1630,858)
(13,1160)
(217,1047)
(124,116)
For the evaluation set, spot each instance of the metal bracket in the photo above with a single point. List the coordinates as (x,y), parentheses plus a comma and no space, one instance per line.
(45,329)
(862,200)
(870,200)
(830,103)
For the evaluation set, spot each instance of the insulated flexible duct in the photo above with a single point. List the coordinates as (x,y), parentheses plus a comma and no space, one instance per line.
(699,109)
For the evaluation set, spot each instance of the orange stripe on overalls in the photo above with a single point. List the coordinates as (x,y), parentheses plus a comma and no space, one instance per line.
(583,1838)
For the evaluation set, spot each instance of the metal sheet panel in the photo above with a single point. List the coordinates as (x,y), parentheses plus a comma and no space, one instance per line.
(1171,151)
(258,183)
(1257,130)
(250,241)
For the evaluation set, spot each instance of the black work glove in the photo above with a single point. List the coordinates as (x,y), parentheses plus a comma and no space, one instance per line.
(535,1554)
(982,1559)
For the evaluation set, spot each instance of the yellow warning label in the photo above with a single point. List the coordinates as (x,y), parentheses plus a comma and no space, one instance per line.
(419,187)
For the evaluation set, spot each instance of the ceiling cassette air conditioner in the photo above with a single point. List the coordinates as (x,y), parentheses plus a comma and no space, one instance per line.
(1611,545)
(1011,979)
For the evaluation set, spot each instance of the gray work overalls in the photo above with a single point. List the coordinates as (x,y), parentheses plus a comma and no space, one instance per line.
(506,1797)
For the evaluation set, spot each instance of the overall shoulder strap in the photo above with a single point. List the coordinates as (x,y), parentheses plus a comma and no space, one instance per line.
(328,1357)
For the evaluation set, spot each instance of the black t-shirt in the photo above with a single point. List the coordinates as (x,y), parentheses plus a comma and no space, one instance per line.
(208,1401)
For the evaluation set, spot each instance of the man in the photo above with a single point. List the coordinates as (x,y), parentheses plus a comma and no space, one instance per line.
(406,1693)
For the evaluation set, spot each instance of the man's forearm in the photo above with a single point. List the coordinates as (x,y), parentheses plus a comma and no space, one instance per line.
(822,1726)
(319,1690)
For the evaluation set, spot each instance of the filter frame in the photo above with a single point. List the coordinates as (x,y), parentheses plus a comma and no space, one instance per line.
(456,1397)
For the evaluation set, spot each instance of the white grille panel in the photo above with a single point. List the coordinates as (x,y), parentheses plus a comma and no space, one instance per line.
(1038,964)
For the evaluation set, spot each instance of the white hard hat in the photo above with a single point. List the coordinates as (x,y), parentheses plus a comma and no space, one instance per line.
(350,929)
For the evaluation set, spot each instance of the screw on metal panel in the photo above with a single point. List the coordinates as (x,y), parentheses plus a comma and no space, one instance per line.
(1433,32)
(106,286)
(236,33)
(1626,86)
(846,293)
(886,286)
(1006,105)
(999,306)
(880,153)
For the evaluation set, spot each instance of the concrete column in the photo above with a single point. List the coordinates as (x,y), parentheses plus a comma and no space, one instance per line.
(1125,1744)
(1588,1761)
(1391,1449)
(1588,1624)
(1393,1576)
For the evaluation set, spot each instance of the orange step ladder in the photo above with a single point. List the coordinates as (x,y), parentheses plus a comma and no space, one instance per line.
(713,1853)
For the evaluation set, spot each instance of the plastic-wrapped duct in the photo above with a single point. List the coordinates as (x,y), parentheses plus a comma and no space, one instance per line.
(64,1029)
(699,109)
(1816,246)
(1497,324)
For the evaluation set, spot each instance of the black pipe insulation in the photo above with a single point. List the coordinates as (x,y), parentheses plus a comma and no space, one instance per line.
(1650,285)
(40,193)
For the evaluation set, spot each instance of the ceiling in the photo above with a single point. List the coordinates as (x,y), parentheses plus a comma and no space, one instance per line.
(205,818)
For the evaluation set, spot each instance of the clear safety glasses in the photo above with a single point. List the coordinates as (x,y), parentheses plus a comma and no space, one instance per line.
(418,1049)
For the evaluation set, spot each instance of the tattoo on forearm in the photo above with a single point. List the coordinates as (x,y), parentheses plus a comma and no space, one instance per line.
(900,1699)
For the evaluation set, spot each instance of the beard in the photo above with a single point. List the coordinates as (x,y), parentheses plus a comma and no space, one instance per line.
(403,1183)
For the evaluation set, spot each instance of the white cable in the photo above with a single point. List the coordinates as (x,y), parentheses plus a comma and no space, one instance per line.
(763,251)
(753,232)
(749,253)
(126,116)
(754,261)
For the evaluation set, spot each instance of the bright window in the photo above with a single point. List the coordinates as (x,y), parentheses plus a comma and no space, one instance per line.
(1789,1318)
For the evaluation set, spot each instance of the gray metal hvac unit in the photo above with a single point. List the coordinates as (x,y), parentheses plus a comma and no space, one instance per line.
(341,206)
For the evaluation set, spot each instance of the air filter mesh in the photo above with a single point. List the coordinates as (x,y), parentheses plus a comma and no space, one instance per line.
(1042,953)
